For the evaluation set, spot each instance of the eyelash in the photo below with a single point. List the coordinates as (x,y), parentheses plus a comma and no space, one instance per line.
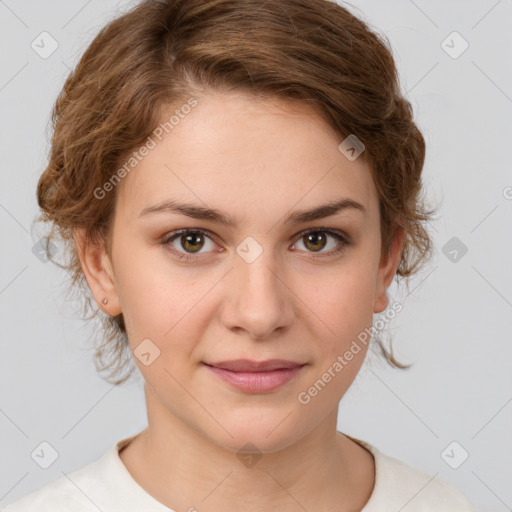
(338,235)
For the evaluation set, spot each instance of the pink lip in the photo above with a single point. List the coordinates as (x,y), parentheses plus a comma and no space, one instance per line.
(256,377)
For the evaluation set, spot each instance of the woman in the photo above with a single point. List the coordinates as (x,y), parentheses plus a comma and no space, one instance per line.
(238,183)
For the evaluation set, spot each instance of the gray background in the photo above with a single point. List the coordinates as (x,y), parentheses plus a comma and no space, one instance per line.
(456,320)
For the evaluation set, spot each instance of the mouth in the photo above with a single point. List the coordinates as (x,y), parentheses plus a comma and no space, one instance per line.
(256,376)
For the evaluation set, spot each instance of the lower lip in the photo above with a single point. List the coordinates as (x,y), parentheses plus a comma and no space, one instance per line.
(256,382)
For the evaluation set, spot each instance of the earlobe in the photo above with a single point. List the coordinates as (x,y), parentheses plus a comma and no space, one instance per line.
(387,271)
(98,271)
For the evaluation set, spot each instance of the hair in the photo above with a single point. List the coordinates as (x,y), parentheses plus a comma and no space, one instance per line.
(159,54)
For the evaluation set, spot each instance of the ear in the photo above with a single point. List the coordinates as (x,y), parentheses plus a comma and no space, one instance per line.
(98,271)
(387,270)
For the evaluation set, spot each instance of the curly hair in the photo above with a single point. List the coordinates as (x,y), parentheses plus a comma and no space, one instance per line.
(157,54)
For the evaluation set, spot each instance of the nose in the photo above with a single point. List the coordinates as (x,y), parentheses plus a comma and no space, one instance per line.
(258,299)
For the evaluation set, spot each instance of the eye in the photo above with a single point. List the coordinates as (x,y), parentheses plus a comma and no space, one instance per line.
(315,240)
(189,240)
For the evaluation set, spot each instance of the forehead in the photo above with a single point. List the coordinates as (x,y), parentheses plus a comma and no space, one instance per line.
(239,154)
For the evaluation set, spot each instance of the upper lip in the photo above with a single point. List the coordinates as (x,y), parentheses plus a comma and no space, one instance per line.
(246,365)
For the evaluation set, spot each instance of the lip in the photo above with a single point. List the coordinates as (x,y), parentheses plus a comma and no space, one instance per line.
(256,376)
(246,365)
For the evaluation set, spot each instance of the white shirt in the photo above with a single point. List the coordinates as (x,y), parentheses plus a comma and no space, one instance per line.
(106,485)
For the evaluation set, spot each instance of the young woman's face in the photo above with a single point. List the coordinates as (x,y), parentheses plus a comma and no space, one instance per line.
(257,289)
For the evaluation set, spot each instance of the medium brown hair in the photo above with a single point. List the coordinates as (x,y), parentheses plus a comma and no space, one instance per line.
(160,53)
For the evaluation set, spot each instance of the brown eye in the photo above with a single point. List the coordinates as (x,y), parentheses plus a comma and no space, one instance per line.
(315,241)
(192,242)
(186,243)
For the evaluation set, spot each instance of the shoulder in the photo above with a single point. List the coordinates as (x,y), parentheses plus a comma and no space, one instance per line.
(399,486)
(421,491)
(82,490)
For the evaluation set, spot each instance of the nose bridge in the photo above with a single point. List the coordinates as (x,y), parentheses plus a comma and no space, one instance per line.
(260,301)
(260,276)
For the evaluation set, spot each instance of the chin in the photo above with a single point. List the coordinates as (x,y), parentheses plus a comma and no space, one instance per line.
(258,432)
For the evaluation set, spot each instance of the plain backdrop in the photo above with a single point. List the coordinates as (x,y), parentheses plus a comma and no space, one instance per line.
(455,402)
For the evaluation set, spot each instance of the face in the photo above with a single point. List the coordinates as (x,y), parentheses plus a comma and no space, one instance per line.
(267,285)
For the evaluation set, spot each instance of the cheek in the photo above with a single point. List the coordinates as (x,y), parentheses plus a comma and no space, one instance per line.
(345,315)
(342,299)
(149,301)
(155,308)
(162,301)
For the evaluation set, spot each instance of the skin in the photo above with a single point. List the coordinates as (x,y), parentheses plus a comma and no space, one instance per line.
(256,160)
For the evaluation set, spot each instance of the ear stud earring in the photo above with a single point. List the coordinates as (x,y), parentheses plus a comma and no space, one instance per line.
(104,301)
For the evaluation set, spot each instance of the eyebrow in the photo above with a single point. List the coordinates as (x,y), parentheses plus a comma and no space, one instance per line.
(298,217)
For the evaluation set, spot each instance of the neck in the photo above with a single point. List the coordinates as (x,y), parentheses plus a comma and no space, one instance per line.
(186,470)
